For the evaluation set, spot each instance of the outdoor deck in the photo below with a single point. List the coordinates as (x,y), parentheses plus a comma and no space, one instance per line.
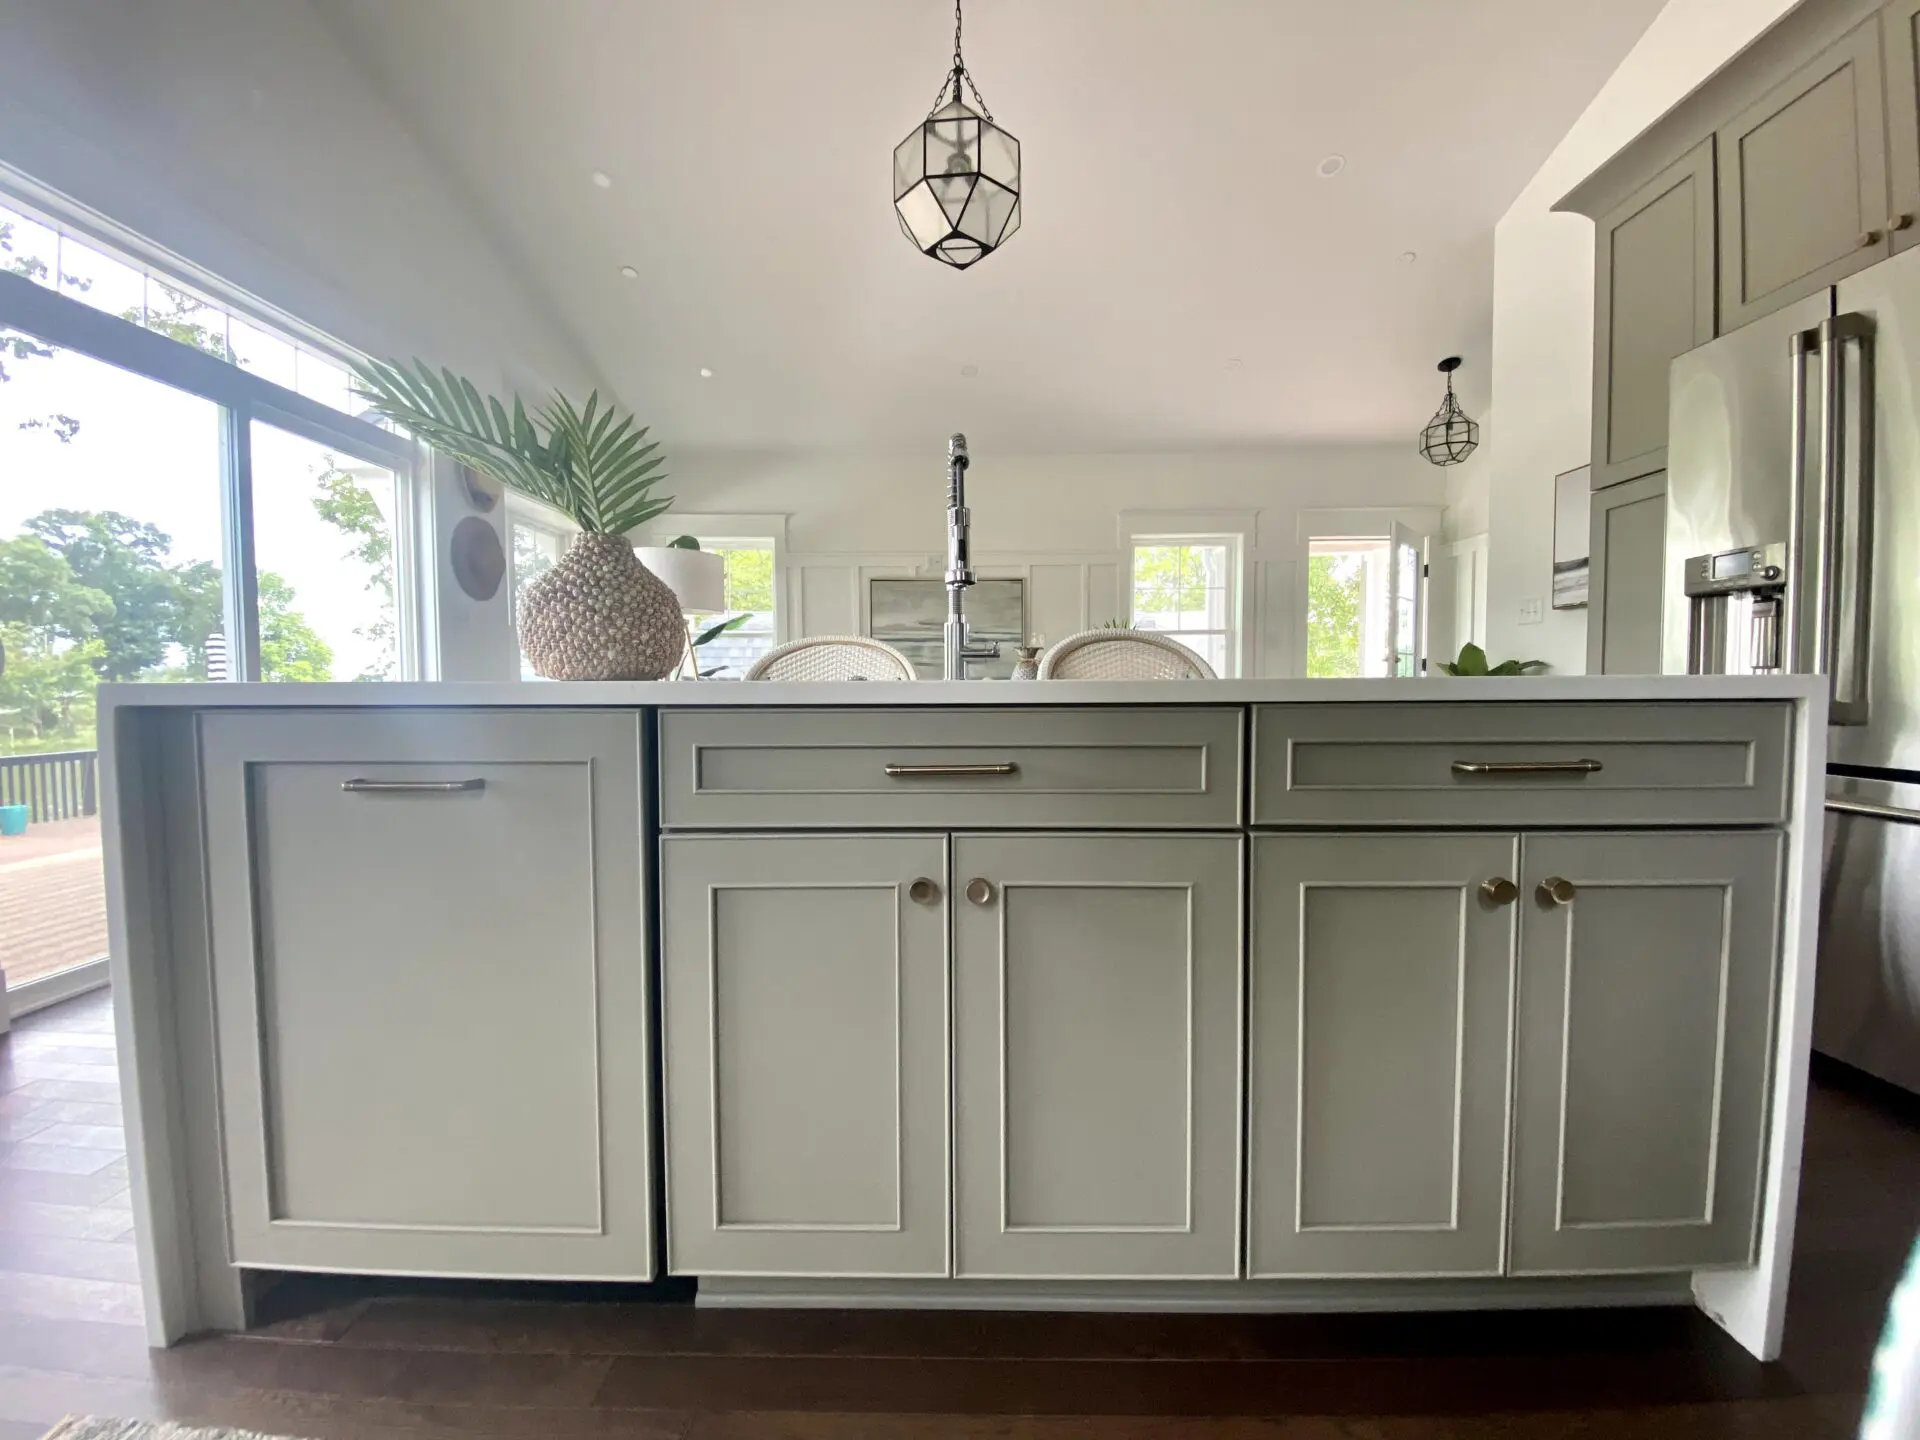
(53,905)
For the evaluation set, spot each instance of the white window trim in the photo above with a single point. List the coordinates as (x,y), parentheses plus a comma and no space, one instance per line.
(1235,529)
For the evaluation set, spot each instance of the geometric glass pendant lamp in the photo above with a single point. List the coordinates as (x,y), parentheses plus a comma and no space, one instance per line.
(956,178)
(1450,436)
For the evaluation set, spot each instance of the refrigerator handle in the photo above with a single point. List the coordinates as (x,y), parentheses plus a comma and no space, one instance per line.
(1840,587)
(1793,620)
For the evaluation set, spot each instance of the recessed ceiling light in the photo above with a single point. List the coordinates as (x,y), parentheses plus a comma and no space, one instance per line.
(1407,257)
(602,179)
(627,272)
(1330,167)
(705,373)
(969,371)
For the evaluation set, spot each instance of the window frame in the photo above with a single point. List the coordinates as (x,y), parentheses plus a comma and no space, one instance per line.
(1234,529)
(243,397)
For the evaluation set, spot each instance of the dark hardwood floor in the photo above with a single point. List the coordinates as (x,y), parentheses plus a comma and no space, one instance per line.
(350,1361)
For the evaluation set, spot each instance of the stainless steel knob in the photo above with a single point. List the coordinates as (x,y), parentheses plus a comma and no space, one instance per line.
(1898,223)
(1868,238)
(980,891)
(1500,890)
(1554,890)
(923,891)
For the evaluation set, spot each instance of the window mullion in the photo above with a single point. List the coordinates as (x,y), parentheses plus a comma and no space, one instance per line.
(240,594)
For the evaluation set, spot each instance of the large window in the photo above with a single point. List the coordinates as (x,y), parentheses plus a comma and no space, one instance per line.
(1185,588)
(749,592)
(184,495)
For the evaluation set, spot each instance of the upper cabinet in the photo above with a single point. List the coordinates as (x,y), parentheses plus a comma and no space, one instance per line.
(1803,181)
(1653,300)
(1900,25)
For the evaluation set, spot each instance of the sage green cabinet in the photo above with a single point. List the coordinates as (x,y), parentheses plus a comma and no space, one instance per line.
(1900,24)
(1381,973)
(1647,984)
(430,989)
(1803,181)
(1627,584)
(804,985)
(1097,1022)
(1653,300)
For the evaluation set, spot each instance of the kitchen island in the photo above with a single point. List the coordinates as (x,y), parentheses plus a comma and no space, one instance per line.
(1409,994)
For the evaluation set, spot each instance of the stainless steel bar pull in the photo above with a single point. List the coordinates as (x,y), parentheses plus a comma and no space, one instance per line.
(410,787)
(911,772)
(1898,814)
(1844,546)
(1526,767)
(1791,622)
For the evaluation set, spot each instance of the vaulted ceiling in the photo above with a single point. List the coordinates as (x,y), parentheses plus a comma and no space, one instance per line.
(1185,278)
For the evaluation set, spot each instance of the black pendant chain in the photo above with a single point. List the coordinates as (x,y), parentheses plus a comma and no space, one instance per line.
(958,74)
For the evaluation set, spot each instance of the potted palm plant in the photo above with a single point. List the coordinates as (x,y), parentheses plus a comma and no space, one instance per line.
(599,614)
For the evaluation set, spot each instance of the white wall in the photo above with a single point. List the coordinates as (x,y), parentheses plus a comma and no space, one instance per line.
(1543,316)
(240,135)
(1055,520)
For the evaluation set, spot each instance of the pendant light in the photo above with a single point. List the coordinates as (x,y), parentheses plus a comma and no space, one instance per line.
(1450,436)
(956,178)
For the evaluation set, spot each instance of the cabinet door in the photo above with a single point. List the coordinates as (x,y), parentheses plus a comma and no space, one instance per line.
(1645,1035)
(1627,570)
(1803,182)
(1901,22)
(1380,978)
(429,960)
(805,1003)
(1097,1055)
(1653,300)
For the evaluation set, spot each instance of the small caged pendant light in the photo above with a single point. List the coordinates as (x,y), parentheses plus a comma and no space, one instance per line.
(1450,436)
(956,178)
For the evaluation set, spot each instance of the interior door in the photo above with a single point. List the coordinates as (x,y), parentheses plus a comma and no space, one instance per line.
(1406,595)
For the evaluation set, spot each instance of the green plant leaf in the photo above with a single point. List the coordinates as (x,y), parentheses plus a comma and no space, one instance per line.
(1472,661)
(714,632)
(683,542)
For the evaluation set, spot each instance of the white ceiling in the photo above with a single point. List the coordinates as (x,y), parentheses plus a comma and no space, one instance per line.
(1173,220)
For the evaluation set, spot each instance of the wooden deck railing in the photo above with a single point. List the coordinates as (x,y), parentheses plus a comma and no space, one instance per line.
(59,786)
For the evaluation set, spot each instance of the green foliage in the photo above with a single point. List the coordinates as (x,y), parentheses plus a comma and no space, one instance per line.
(126,560)
(290,648)
(683,542)
(17,345)
(715,631)
(348,506)
(748,579)
(598,470)
(175,321)
(1336,591)
(1168,579)
(1473,662)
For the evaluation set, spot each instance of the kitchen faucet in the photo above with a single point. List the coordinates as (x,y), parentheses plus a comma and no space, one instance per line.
(959,568)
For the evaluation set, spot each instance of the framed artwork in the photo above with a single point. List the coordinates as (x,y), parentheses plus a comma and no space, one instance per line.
(910,615)
(1572,511)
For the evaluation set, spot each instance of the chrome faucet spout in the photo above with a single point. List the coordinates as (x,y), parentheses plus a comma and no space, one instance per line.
(959,562)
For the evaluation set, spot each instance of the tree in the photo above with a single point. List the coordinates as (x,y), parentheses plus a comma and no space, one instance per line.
(1335,592)
(290,648)
(40,594)
(348,506)
(18,345)
(46,624)
(125,559)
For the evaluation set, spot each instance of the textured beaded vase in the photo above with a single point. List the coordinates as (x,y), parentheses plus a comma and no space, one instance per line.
(601,615)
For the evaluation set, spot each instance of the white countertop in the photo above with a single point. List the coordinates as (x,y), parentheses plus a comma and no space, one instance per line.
(974,692)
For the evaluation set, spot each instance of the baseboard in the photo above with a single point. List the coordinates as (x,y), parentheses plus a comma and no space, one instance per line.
(32,995)
(1198,1296)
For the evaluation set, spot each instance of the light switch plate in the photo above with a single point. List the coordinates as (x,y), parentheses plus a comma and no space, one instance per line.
(1530,612)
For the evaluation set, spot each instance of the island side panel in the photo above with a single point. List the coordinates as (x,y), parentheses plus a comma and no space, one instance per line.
(1751,1304)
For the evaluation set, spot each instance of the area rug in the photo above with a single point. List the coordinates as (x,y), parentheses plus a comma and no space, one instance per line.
(93,1427)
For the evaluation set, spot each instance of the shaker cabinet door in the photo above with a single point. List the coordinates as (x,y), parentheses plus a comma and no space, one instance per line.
(1380,976)
(430,977)
(1803,182)
(1900,21)
(1653,300)
(1627,584)
(1097,1055)
(1648,968)
(805,998)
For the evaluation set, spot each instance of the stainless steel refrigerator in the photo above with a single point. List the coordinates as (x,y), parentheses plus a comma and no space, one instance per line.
(1793,543)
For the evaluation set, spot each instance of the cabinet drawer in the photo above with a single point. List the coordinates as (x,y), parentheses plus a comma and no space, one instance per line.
(842,769)
(1572,764)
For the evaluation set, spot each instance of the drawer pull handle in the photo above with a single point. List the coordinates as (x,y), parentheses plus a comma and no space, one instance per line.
(923,891)
(915,772)
(1526,767)
(980,891)
(1555,890)
(1499,890)
(410,787)
(1898,814)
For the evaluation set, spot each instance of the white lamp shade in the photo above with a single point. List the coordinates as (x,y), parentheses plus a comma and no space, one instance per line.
(697,577)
